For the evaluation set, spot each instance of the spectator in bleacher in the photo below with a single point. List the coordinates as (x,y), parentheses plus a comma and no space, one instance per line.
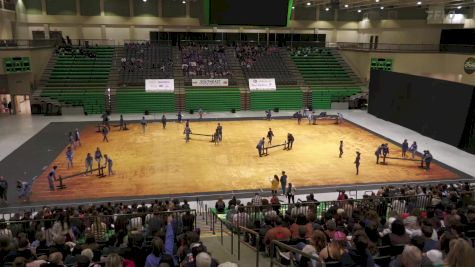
(241,218)
(358,254)
(279,232)
(114,260)
(220,206)
(398,235)
(99,228)
(257,199)
(335,249)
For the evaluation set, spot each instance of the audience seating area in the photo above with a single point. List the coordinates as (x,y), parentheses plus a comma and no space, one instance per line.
(324,74)
(212,99)
(145,61)
(282,98)
(264,62)
(79,79)
(205,62)
(136,100)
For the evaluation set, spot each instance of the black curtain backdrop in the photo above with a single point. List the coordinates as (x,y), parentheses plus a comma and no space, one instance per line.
(435,108)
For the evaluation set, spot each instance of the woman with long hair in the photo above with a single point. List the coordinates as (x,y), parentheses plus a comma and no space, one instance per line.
(335,249)
(461,254)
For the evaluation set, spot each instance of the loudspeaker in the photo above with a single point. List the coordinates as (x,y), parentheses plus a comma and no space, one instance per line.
(192,111)
(85,113)
(233,110)
(276,109)
(146,112)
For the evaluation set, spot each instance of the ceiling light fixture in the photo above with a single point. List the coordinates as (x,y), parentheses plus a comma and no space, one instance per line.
(419,3)
(183,2)
(377,1)
(293,7)
(327,9)
(382,8)
(346,6)
(359,10)
(308,3)
(459,7)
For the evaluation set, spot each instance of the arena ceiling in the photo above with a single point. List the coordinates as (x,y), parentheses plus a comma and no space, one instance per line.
(373,4)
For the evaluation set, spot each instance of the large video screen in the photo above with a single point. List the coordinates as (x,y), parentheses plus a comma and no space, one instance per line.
(249,12)
(432,107)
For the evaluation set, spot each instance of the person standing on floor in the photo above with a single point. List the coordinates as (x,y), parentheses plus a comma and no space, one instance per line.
(164,121)
(385,152)
(270,134)
(105,132)
(71,139)
(3,189)
(299,117)
(274,184)
(290,141)
(200,112)
(24,190)
(143,122)
(77,138)
(405,147)
(377,153)
(268,115)
(98,158)
(179,116)
(357,162)
(89,161)
(341,148)
(260,146)
(121,123)
(187,133)
(291,193)
(109,164)
(52,178)
(283,182)
(69,157)
(427,159)
(219,129)
(413,149)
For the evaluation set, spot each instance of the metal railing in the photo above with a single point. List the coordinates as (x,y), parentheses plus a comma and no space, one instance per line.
(14,44)
(276,246)
(430,48)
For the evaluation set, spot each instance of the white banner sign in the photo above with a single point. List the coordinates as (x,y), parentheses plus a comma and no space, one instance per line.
(262,84)
(160,85)
(209,82)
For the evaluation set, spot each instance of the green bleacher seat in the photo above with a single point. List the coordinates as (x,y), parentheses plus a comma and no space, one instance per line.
(213,99)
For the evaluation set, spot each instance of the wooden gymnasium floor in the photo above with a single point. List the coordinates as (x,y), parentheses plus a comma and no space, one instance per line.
(160,162)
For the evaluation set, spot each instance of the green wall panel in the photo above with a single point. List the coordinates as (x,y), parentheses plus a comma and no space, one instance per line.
(149,8)
(32,6)
(116,8)
(90,8)
(172,8)
(61,7)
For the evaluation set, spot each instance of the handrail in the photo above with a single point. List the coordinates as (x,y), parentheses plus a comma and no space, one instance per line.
(275,243)
(243,229)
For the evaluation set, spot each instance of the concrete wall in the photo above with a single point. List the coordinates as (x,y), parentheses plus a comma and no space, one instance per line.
(436,65)
(38,59)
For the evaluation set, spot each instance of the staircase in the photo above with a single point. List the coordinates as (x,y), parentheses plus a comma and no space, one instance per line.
(114,80)
(290,64)
(36,94)
(239,77)
(356,79)
(179,80)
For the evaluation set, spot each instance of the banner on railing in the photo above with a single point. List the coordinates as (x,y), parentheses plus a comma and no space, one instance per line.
(209,82)
(159,85)
(262,84)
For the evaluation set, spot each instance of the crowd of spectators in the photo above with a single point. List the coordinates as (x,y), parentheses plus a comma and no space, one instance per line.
(208,61)
(249,53)
(405,226)
(308,50)
(140,57)
(77,51)
(113,235)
